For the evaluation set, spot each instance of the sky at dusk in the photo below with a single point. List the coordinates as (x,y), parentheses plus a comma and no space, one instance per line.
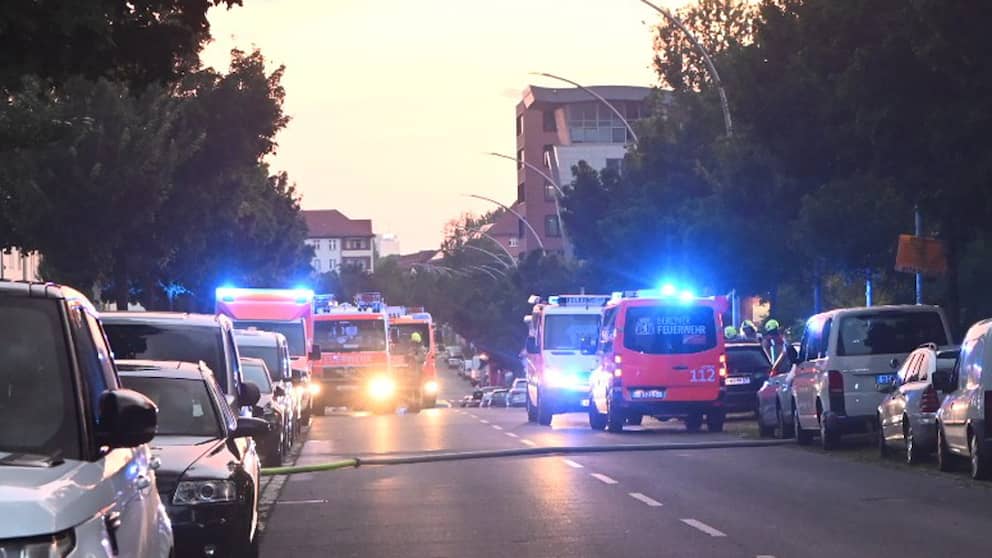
(394,103)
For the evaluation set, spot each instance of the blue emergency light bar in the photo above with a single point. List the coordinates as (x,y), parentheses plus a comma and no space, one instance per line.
(230,294)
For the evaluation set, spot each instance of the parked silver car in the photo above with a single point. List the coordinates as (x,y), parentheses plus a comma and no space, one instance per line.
(775,397)
(907,417)
(964,416)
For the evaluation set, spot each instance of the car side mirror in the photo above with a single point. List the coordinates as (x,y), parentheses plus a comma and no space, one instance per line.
(279,391)
(315,353)
(250,427)
(250,394)
(531,346)
(127,419)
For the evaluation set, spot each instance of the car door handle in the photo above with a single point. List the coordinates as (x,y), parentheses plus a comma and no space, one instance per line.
(143,482)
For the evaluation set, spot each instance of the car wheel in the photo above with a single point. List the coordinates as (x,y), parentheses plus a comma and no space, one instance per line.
(635,420)
(979,464)
(544,414)
(803,437)
(694,422)
(764,430)
(531,410)
(883,447)
(783,428)
(945,460)
(714,421)
(597,420)
(828,436)
(914,455)
(614,418)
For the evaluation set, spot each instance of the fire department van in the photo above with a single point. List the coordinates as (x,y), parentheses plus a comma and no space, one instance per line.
(560,355)
(661,353)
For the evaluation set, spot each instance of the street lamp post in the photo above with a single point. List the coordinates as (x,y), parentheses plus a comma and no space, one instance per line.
(495,240)
(493,255)
(514,212)
(727,122)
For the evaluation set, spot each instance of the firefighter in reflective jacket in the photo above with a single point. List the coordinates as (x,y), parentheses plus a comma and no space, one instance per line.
(773,340)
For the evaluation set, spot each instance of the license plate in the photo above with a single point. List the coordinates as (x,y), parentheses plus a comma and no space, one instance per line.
(738,380)
(585,402)
(885,379)
(647,394)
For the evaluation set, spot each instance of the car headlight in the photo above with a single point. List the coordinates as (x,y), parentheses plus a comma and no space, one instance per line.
(313,388)
(204,492)
(382,388)
(58,545)
(430,387)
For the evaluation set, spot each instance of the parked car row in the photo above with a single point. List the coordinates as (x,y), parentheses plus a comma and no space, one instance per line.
(161,409)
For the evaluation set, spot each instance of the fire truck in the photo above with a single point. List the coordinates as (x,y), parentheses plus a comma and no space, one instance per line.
(402,326)
(561,354)
(285,311)
(355,369)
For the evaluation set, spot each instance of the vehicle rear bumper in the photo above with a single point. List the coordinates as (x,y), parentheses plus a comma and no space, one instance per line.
(740,401)
(843,424)
(197,528)
(669,408)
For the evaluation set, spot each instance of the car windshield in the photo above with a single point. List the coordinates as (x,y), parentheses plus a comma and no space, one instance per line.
(185,407)
(271,357)
(567,331)
(257,373)
(747,358)
(348,336)
(179,342)
(669,330)
(39,413)
(295,333)
(886,333)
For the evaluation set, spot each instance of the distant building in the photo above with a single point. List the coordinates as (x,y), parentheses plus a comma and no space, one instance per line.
(417,260)
(387,244)
(20,266)
(556,128)
(339,241)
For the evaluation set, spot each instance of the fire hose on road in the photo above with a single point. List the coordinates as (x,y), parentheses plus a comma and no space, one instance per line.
(354,462)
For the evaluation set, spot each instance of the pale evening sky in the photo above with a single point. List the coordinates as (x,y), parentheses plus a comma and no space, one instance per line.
(393,103)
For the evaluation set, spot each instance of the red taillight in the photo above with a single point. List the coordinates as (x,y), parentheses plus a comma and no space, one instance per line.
(835,382)
(929,402)
(723,369)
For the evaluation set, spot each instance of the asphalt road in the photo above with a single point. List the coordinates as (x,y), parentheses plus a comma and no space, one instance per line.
(741,502)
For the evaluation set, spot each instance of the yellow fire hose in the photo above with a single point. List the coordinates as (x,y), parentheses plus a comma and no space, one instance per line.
(355,462)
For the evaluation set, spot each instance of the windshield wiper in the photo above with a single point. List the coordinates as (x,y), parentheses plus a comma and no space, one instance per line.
(32,460)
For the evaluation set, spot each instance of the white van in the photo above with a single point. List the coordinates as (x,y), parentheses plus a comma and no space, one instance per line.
(965,413)
(847,360)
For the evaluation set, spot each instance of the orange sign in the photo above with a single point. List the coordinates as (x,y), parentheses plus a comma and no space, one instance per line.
(918,254)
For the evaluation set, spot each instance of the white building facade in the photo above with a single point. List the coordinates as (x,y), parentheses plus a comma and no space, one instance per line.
(339,242)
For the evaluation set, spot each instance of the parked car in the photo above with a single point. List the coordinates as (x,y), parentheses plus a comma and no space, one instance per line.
(966,413)
(78,478)
(175,336)
(907,417)
(848,356)
(498,398)
(775,397)
(455,363)
(487,396)
(273,348)
(210,469)
(747,369)
(517,396)
(274,408)
(473,400)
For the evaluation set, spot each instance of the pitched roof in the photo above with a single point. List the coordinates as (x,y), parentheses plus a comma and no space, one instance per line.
(411,260)
(331,223)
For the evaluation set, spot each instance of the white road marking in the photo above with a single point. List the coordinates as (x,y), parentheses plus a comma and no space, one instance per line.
(528,442)
(497,427)
(572,464)
(695,523)
(602,478)
(281,502)
(646,499)
(511,434)
(764,556)
(484,421)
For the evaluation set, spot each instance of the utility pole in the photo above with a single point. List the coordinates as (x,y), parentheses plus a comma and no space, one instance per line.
(918,231)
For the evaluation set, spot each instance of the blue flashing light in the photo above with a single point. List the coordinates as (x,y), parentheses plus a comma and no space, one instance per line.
(553,300)
(668,290)
(687,296)
(230,294)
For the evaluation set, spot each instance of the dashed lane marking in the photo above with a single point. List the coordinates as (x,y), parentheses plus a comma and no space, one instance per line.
(711,531)
(602,478)
(497,427)
(572,464)
(511,434)
(484,421)
(528,442)
(646,499)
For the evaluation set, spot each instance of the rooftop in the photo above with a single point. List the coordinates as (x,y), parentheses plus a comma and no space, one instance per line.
(535,95)
(331,223)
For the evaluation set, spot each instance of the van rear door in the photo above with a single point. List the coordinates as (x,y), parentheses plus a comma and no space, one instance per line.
(671,347)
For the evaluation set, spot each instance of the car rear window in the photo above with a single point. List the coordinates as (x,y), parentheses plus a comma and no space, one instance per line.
(747,358)
(184,406)
(884,333)
(184,343)
(669,330)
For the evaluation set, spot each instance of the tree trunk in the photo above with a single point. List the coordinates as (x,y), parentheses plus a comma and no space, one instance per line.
(121,284)
(953,294)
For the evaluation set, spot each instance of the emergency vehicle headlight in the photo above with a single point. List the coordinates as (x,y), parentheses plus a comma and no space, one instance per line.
(313,388)
(382,388)
(430,387)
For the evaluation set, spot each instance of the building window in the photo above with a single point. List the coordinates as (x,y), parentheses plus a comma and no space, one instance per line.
(520,228)
(356,244)
(316,264)
(520,159)
(520,124)
(550,192)
(549,155)
(551,227)
(332,264)
(591,122)
(514,242)
(332,244)
(550,125)
(520,192)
